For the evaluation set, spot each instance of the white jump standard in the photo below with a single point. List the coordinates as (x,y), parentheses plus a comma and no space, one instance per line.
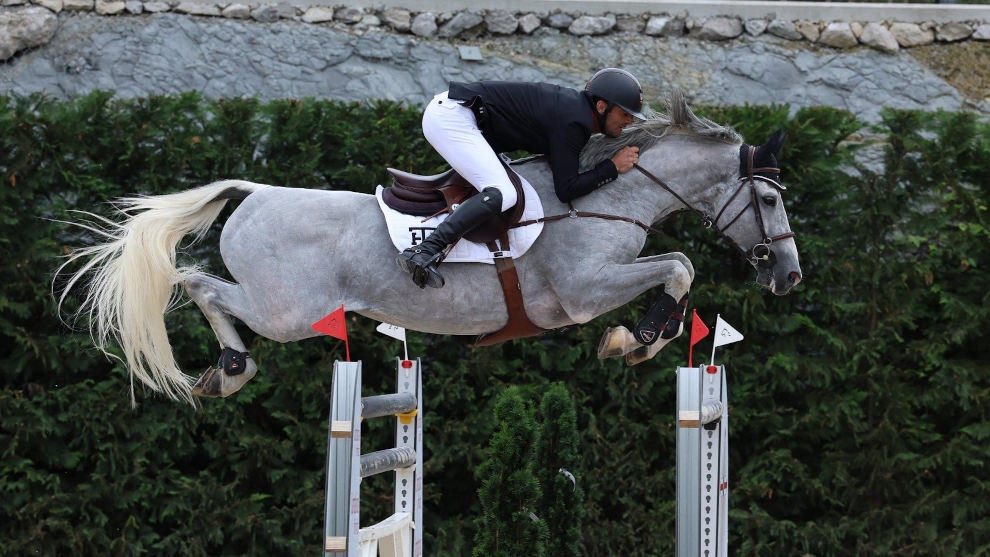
(401,534)
(702,462)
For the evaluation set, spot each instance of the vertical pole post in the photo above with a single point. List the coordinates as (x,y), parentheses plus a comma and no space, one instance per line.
(343,499)
(702,462)
(409,433)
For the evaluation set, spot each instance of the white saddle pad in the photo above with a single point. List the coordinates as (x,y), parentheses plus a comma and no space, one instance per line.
(406,230)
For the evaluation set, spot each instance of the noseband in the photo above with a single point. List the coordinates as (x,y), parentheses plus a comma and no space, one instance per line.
(760,254)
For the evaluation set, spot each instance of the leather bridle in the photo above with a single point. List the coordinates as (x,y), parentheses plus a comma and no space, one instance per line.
(760,254)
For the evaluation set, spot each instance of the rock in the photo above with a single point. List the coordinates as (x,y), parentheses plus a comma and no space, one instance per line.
(318,14)
(110,7)
(529,23)
(133,7)
(22,28)
(560,20)
(348,15)
(53,5)
(857,28)
(77,5)
(838,35)
(719,29)
(501,22)
(879,37)
(809,30)
(911,34)
(424,25)
(952,32)
(663,26)
(398,19)
(592,25)
(784,29)
(236,11)
(630,23)
(265,14)
(982,32)
(13,2)
(287,11)
(368,21)
(192,8)
(460,23)
(156,7)
(755,27)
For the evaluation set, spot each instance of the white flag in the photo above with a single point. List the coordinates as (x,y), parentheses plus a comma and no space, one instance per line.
(725,334)
(393,331)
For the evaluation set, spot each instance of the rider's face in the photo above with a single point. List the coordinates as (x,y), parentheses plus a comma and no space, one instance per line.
(615,121)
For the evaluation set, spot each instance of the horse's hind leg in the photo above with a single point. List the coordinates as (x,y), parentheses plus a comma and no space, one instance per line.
(219,300)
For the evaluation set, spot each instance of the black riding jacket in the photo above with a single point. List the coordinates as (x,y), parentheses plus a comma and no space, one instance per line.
(543,119)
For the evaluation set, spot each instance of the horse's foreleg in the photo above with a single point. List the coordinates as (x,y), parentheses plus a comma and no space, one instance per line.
(616,284)
(218,300)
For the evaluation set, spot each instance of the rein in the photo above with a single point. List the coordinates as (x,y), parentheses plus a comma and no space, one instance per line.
(574,213)
(759,254)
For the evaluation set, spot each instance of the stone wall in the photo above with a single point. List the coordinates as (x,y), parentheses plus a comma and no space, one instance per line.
(69,47)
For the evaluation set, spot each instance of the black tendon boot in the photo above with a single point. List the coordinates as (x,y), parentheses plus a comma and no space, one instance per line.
(422,260)
(665,311)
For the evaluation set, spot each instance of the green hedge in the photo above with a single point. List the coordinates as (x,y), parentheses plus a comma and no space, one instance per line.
(859,402)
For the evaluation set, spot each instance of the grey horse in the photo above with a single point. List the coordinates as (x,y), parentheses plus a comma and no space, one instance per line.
(291,273)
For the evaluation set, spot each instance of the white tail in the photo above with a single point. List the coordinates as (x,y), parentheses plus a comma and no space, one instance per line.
(134,279)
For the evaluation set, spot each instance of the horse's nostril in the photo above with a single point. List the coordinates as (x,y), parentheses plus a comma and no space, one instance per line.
(794,277)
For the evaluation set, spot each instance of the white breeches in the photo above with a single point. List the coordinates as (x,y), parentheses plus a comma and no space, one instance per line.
(452,130)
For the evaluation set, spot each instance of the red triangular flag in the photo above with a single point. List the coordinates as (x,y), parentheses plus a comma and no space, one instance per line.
(698,331)
(336,326)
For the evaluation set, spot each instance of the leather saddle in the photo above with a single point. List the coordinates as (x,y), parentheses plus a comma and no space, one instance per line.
(430,196)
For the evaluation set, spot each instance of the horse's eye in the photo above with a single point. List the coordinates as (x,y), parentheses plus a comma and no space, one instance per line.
(770,200)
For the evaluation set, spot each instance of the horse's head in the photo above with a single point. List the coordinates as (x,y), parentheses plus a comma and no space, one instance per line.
(752,215)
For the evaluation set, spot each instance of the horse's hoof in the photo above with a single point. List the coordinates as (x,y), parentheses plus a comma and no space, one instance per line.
(638,356)
(615,342)
(210,384)
(643,353)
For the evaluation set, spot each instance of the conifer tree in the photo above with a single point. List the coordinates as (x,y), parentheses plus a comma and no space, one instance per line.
(557,459)
(510,492)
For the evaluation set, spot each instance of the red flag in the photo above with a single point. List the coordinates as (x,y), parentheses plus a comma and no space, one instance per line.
(336,326)
(698,331)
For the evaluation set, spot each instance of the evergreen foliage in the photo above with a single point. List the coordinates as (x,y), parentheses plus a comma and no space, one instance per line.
(859,402)
(510,491)
(558,453)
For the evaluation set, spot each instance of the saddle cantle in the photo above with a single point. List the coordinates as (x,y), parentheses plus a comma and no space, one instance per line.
(429,196)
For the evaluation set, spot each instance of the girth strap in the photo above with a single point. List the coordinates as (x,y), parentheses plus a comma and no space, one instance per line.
(518,324)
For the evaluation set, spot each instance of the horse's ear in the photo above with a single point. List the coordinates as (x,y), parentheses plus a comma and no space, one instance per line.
(776,141)
(765,153)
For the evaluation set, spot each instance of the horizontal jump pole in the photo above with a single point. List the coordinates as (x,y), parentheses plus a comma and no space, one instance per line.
(386,460)
(711,410)
(387,405)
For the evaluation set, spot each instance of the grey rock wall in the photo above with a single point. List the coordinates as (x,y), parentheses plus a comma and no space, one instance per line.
(169,53)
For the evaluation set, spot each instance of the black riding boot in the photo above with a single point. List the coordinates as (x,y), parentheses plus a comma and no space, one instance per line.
(422,260)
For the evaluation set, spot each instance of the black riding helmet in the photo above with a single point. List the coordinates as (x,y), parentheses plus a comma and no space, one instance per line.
(617,88)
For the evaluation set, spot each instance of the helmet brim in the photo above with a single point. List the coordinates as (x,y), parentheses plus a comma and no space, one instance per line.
(634,113)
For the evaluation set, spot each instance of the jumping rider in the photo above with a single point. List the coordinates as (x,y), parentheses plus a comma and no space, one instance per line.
(472,122)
